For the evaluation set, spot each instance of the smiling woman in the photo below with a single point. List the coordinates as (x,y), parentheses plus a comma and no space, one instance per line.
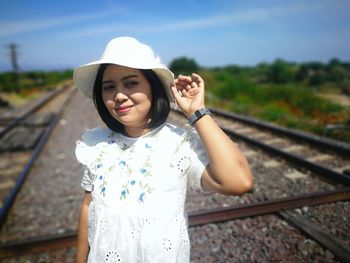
(136,172)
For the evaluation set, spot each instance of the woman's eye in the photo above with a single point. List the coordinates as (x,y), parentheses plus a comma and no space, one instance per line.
(130,84)
(108,87)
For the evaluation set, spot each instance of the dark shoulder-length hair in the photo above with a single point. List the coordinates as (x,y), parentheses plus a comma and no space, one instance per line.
(160,106)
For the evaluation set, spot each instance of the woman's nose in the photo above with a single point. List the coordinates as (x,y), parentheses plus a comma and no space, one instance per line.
(120,97)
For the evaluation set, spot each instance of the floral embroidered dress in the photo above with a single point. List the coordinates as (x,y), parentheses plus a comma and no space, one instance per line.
(138,188)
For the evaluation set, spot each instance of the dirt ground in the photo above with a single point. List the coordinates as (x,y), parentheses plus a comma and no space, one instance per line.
(337,98)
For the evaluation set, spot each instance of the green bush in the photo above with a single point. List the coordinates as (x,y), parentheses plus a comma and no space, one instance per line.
(184,66)
(10,82)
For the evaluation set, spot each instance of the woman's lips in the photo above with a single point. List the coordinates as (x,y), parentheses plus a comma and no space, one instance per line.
(123,109)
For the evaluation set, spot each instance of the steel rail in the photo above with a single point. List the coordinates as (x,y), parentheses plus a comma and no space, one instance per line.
(34,108)
(322,142)
(27,168)
(41,244)
(311,166)
(338,248)
(267,207)
(38,244)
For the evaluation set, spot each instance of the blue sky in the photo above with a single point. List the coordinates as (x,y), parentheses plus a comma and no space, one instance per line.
(64,34)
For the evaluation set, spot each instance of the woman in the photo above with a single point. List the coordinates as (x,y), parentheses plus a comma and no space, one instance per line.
(137,170)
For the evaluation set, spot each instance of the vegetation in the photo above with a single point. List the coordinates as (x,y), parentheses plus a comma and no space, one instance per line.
(17,89)
(183,65)
(288,94)
(11,82)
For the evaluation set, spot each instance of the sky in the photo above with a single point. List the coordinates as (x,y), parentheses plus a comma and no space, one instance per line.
(56,35)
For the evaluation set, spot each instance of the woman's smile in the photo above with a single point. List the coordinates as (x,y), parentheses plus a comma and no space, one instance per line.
(124,109)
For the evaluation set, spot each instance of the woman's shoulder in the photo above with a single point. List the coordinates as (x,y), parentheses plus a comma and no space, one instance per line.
(180,134)
(89,146)
(94,136)
(170,129)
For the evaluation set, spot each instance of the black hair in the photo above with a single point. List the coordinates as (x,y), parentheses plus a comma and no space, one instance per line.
(160,106)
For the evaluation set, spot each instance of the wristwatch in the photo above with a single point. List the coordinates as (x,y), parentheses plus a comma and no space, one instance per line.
(198,114)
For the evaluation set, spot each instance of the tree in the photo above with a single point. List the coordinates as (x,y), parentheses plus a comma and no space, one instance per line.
(302,73)
(338,74)
(280,72)
(183,65)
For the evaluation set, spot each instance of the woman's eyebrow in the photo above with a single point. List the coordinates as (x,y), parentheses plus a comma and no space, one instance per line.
(123,78)
(107,81)
(129,76)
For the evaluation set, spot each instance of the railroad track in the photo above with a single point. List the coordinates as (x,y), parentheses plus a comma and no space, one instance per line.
(326,157)
(304,160)
(329,185)
(21,139)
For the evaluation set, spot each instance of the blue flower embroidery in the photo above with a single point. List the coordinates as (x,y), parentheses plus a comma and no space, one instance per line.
(136,175)
(146,171)
(111,142)
(103,185)
(148,146)
(141,197)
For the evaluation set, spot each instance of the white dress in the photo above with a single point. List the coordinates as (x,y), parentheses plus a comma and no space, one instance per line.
(138,188)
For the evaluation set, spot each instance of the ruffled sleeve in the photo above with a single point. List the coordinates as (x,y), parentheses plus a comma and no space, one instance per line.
(87,151)
(199,160)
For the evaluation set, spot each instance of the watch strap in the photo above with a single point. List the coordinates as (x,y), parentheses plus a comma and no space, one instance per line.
(197,115)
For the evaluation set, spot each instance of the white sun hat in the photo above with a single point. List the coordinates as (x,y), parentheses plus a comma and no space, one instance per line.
(128,52)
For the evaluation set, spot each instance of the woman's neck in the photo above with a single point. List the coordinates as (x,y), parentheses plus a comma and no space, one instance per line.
(135,131)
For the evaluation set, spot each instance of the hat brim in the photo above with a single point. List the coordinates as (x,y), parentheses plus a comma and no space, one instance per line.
(85,75)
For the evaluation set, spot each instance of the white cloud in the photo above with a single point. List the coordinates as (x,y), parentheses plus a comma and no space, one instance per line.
(10,28)
(170,26)
(253,15)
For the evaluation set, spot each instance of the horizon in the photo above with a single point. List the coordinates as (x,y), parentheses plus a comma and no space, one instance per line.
(201,67)
(63,35)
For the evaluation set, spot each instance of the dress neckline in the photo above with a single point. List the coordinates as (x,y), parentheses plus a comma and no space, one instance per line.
(148,134)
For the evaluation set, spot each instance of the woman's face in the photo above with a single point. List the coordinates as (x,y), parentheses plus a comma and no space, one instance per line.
(128,98)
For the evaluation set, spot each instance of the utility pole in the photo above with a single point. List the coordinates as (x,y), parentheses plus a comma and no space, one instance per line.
(14,56)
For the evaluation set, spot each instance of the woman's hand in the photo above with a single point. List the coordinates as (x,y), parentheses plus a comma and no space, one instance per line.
(189,93)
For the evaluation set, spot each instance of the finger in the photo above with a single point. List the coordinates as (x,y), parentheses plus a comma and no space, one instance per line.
(176,93)
(185,94)
(185,87)
(190,94)
(186,79)
(193,92)
(181,84)
(196,76)
(198,79)
(194,85)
